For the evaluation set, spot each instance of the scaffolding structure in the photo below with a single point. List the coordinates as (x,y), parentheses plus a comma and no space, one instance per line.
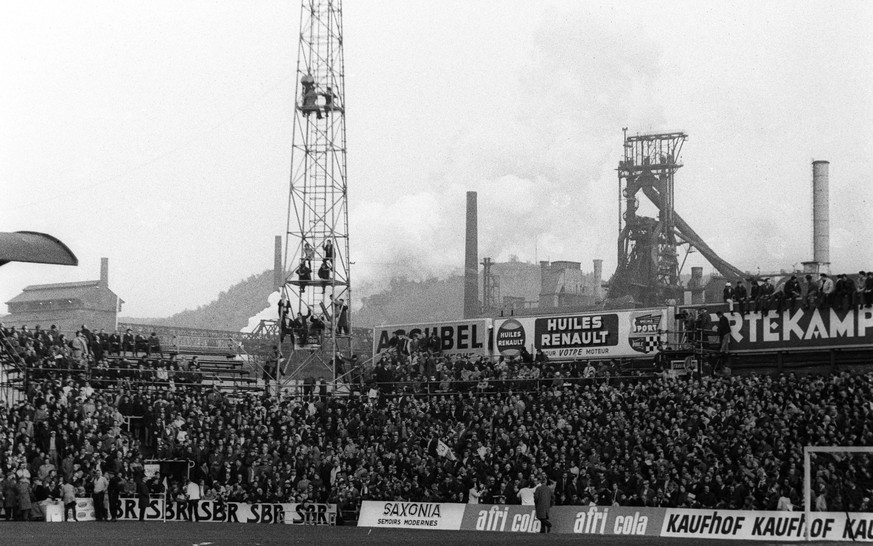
(317,280)
(648,264)
(490,288)
(648,269)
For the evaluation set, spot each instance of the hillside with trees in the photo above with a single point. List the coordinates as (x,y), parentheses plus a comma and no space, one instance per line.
(230,311)
(402,301)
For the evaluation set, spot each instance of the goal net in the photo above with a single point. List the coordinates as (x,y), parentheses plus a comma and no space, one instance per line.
(838,480)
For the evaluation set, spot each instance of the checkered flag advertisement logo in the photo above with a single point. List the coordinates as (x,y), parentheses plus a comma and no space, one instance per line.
(645,335)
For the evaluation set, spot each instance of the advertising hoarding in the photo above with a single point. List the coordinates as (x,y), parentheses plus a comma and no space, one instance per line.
(466,338)
(602,335)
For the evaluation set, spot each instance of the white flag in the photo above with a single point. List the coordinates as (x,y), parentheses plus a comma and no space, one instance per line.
(444,451)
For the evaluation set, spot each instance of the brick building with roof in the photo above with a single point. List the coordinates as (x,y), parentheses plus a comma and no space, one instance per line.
(67,305)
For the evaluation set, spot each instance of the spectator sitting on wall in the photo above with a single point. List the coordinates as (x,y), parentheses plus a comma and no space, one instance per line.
(154,345)
(741,296)
(810,298)
(728,295)
(825,290)
(858,296)
(128,343)
(868,289)
(141,345)
(792,291)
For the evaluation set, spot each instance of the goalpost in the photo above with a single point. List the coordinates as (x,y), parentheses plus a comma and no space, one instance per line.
(808,494)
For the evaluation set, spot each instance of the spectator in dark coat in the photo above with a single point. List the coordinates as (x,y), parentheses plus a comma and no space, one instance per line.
(142,497)
(792,291)
(24,503)
(544,499)
(9,489)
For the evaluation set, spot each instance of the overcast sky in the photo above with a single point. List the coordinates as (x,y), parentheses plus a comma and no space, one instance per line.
(159,133)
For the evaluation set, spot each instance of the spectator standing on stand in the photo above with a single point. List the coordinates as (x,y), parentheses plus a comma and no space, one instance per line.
(475,492)
(142,496)
(304,274)
(308,253)
(341,312)
(724,338)
(526,494)
(324,275)
(193,493)
(99,495)
(113,491)
(80,347)
(327,248)
(68,497)
(10,496)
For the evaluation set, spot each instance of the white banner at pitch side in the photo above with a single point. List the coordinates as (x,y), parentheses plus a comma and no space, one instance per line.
(770,526)
(231,512)
(412,515)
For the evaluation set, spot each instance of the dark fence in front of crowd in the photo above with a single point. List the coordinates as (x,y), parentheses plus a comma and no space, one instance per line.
(112,379)
(485,386)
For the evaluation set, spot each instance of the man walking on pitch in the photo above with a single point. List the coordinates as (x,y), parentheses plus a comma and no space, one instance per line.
(544,499)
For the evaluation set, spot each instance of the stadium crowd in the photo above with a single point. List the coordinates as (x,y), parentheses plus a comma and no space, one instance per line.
(713,442)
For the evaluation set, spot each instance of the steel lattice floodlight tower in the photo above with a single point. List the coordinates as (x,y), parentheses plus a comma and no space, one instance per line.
(317,236)
(648,265)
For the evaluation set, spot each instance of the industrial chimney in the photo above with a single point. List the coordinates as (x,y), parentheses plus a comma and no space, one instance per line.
(598,278)
(104,272)
(820,214)
(471,260)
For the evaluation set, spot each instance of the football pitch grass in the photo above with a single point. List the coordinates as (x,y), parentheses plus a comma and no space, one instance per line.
(227,534)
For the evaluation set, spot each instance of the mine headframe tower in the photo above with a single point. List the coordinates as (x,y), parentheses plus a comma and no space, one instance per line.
(317,283)
(648,264)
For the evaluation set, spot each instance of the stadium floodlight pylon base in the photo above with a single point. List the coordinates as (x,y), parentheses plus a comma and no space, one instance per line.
(808,497)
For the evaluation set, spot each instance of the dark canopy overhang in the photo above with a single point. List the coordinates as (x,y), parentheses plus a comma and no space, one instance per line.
(30,246)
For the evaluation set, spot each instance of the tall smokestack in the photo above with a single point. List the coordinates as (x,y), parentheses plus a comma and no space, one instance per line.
(104,272)
(820,214)
(278,275)
(471,259)
(598,278)
(696,285)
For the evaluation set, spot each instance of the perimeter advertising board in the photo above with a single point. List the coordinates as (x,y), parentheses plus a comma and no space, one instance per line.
(466,338)
(766,526)
(579,520)
(412,515)
(617,334)
(800,328)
